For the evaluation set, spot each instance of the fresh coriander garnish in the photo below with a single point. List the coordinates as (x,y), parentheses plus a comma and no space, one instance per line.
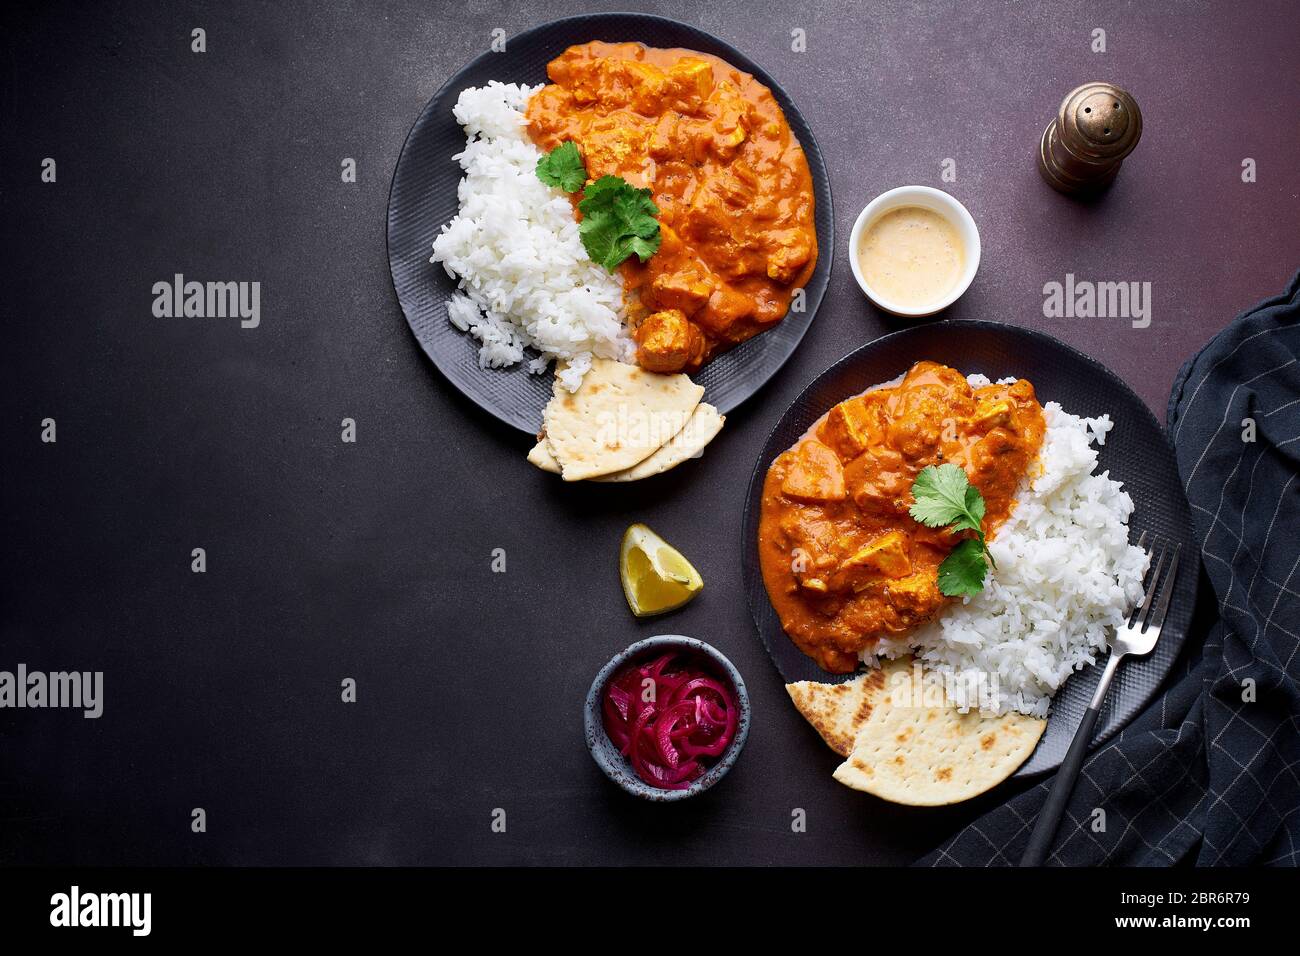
(943,495)
(963,571)
(618,220)
(563,167)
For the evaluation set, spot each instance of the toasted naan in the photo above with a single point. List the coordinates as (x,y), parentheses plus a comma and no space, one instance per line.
(540,455)
(619,416)
(838,711)
(928,756)
(704,424)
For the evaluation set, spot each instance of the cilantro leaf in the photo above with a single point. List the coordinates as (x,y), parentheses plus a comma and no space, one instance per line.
(563,167)
(963,571)
(974,516)
(618,220)
(943,496)
(940,495)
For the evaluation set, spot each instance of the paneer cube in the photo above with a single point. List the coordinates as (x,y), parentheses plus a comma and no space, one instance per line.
(847,428)
(650,89)
(917,420)
(725,144)
(814,473)
(878,486)
(884,557)
(727,309)
(789,251)
(707,219)
(915,597)
(684,290)
(663,141)
(991,414)
(668,342)
(729,129)
(691,81)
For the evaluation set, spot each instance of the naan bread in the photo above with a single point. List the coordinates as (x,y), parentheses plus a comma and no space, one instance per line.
(540,455)
(838,711)
(704,424)
(618,417)
(702,427)
(928,756)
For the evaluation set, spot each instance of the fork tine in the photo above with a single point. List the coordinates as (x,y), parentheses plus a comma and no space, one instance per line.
(1171,579)
(1141,610)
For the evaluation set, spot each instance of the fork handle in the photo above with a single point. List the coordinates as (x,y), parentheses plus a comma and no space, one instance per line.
(1049,818)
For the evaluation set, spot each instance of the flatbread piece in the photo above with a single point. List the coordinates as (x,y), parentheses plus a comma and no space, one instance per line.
(704,424)
(838,711)
(619,416)
(928,756)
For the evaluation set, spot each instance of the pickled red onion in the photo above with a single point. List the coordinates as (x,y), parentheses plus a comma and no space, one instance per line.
(666,714)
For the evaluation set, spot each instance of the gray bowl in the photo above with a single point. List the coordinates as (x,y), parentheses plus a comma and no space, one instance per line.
(615,765)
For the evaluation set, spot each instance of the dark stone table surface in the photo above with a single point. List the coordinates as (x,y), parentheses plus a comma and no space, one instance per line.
(371,560)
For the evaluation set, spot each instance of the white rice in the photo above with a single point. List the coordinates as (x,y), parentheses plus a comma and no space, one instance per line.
(525,280)
(1065,575)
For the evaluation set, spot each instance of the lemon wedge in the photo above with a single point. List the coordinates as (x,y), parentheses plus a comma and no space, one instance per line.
(656,578)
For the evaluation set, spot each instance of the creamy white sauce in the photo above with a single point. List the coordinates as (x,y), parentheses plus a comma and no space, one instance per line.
(911,256)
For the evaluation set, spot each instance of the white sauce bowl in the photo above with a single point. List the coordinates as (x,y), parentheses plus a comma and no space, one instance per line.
(924,197)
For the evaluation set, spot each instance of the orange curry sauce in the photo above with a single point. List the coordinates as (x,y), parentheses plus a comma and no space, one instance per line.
(729,177)
(842,559)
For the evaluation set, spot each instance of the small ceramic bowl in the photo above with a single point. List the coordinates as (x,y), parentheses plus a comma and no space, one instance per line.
(924,197)
(615,765)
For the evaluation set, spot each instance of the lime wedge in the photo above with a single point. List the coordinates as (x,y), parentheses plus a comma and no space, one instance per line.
(656,578)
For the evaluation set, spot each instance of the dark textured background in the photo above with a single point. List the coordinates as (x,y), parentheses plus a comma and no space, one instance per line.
(371,561)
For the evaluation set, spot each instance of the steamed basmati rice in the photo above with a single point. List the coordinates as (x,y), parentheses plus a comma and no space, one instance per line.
(525,279)
(1065,575)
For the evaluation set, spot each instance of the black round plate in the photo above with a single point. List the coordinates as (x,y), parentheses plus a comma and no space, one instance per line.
(1136,453)
(423,197)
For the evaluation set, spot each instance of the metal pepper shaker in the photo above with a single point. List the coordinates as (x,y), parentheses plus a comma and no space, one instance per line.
(1083,147)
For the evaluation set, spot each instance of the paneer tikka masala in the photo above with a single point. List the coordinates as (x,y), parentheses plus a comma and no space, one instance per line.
(728,175)
(843,560)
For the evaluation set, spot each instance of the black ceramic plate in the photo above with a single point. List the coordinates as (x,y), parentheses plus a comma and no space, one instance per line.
(1136,453)
(423,197)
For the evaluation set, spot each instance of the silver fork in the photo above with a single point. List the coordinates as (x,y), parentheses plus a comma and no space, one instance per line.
(1137,637)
